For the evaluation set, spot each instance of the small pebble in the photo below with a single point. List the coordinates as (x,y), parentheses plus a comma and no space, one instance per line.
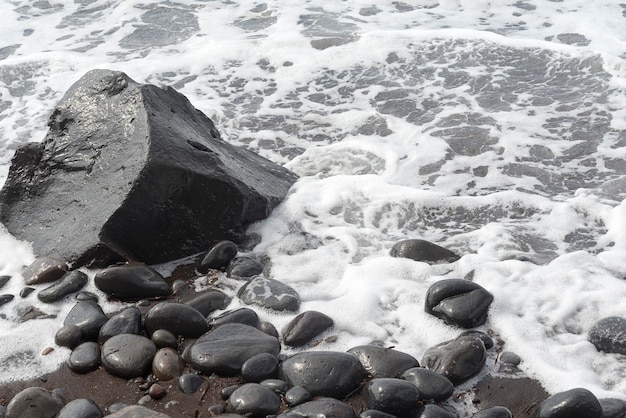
(26,291)
(47,351)
(227,391)
(157,391)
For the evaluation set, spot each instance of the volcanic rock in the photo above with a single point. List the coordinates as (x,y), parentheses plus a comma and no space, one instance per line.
(394,396)
(226,348)
(383,362)
(128,321)
(253,399)
(89,317)
(430,384)
(574,403)
(324,373)
(421,250)
(141,172)
(457,359)
(34,402)
(128,355)
(609,335)
(458,302)
(69,283)
(304,327)
(269,293)
(133,281)
(217,257)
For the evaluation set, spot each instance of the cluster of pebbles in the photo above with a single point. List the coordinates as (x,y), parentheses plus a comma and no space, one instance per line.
(173,335)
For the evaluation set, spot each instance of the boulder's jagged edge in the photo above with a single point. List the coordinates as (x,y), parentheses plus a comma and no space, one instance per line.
(132,171)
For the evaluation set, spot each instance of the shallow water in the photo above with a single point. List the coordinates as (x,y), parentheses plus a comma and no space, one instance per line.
(494,128)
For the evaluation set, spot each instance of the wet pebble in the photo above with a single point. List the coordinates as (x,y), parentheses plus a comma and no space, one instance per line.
(178,318)
(609,335)
(26,291)
(510,358)
(297,395)
(190,383)
(34,402)
(4,280)
(131,282)
(436,411)
(217,257)
(167,364)
(84,295)
(69,283)
(207,301)
(458,359)
(253,399)
(270,294)
(324,373)
(44,270)
(383,362)
(276,385)
(89,317)
(68,336)
(268,328)
(128,355)
(430,384)
(260,367)
(85,357)
(425,251)
(164,338)
(458,302)
(244,316)
(613,408)
(373,413)
(320,408)
(574,403)
(244,268)
(226,348)
(6,298)
(80,408)
(394,396)
(157,391)
(304,327)
(128,321)
(494,412)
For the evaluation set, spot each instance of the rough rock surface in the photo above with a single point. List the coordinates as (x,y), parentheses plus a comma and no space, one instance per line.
(145,175)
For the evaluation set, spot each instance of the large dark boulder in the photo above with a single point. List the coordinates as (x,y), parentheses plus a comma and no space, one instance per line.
(133,171)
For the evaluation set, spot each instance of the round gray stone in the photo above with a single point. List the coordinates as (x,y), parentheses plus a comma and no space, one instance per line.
(270,294)
(131,282)
(304,327)
(177,318)
(69,283)
(425,251)
(34,402)
(260,367)
(80,408)
(609,335)
(458,302)
(324,373)
(320,408)
(574,403)
(89,317)
(128,321)
(254,399)
(85,357)
(128,355)
(394,396)
(458,359)
(383,362)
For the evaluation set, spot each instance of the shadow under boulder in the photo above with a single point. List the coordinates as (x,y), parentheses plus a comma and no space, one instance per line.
(132,171)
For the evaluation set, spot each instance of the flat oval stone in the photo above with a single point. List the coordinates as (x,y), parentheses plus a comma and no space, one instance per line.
(226,348)
(320,408)
(167,364)
(260,367)
(458,302)
(85,357)
(190,383)
(89,317)
(270,294)
(254,399)
(425,251)
(128,321)
(178,318)
(394,396)
(34,402)
(131,282)
(244,268)
(217,257)
(574,403)
(80,408)
(494,412)
(69,283)
(297,395)
(383,362)
(304,327)
(44,270)
(68,336)
(128,355)
(207,301)
(324,373)
(244,316)
(609,335)
(164,338)
(457,359)
(430,384)
(6,298)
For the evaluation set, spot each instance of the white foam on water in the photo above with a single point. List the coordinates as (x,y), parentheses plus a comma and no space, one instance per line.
(493,128)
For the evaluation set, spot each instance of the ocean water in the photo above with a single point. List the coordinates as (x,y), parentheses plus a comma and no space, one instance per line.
(494,128)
